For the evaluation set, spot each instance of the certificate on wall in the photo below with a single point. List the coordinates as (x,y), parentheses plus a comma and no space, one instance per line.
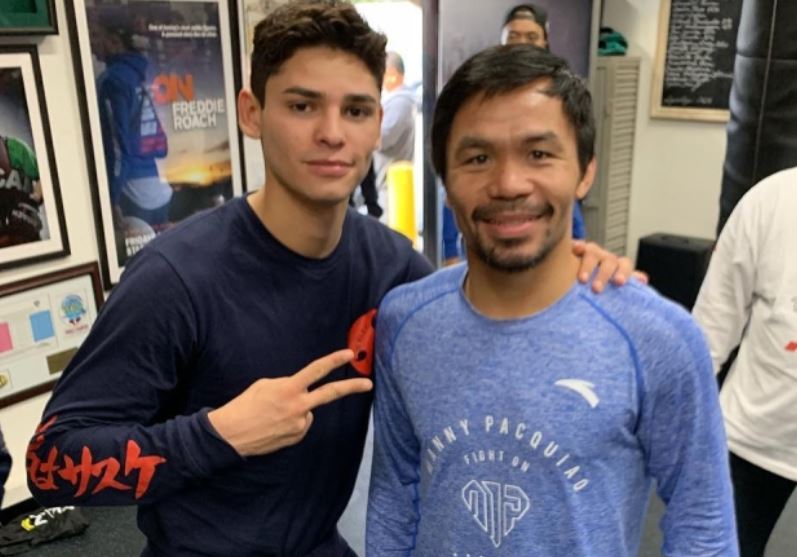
(43,321)
(159,79)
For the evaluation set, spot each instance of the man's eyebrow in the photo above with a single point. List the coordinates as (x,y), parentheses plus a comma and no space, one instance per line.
(301,91)
(471,142)
(360,98)
(540,137)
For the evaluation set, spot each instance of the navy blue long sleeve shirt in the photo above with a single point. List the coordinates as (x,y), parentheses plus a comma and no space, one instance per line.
(203,312)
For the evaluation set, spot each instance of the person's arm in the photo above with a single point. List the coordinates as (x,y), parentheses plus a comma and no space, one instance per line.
(110,436)
(392,511)
(725,300)
(682,435)
(106,437)
(5,466)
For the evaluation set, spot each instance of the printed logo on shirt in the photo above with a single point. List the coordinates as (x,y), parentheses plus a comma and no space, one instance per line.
(495,507)
(584,388)
(505,445)
(55,471)
(361,342)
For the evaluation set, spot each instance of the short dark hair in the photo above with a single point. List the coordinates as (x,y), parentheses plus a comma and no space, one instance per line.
(307,23)
(503,69)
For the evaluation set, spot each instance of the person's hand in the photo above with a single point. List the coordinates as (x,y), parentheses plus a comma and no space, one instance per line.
(609,266)
(276,413)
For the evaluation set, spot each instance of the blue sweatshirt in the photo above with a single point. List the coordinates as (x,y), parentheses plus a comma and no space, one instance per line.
(204,311)
(541,436)
(118,97)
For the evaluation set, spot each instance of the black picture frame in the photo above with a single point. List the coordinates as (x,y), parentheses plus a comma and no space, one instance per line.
(32,222)
(143,29)
(28,17)
(43,320)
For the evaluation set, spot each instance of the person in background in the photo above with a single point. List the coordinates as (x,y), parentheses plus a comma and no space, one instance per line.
(538,417)
(398,123)
(526,24)
(749,299)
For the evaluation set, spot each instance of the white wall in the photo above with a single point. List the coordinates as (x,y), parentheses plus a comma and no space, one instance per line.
(19,420)
(677,164)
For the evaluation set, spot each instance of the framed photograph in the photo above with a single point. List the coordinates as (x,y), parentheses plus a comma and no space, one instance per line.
(32,225)
(158,80)
(28,17)
(43,321)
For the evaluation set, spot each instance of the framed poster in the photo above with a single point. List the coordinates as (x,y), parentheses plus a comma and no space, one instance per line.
(32,226)
(28,17)
(158,83)
(43,320)
(696,51)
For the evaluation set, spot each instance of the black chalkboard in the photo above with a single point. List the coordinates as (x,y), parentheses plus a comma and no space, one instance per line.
(697,47)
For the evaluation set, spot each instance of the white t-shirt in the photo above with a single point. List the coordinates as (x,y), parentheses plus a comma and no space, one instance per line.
(749,296)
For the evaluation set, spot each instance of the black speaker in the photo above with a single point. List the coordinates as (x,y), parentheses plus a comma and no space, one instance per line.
(675,264)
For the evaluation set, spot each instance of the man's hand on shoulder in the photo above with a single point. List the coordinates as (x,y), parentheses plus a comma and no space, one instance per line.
(610,267)
(276,413)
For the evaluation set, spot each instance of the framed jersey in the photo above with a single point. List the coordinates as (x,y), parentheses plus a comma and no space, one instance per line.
(32,226)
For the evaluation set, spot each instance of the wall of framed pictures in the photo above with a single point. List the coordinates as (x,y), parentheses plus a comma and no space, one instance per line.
(39,67)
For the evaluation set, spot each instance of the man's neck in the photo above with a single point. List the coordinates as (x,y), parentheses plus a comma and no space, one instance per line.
(501,295)
(309,230)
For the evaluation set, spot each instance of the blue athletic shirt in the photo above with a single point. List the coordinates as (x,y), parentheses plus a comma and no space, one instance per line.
(541,436)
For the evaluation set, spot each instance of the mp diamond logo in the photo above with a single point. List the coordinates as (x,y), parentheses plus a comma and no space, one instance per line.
(495,507)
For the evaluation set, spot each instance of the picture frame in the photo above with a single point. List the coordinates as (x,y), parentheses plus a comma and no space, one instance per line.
(28,17)
(32,223)
(43,321)
(157,83)
(693,65)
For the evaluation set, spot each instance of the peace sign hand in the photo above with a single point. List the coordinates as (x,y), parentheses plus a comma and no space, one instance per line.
(276,413)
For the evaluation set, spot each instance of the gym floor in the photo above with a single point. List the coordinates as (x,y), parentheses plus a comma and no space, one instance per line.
(113,533)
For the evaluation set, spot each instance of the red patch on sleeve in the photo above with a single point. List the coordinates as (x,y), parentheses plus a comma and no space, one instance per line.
(361,342)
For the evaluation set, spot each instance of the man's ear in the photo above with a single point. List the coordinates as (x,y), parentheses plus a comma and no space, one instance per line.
(249,111)
(587,179)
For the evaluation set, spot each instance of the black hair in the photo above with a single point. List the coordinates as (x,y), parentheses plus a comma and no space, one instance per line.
(308,23)
(503,69)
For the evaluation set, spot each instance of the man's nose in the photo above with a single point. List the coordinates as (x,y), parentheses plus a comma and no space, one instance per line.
(330,129)
(510,179)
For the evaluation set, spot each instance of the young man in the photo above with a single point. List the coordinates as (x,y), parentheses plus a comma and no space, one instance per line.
(749,299)
(536,420)
(212,390)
